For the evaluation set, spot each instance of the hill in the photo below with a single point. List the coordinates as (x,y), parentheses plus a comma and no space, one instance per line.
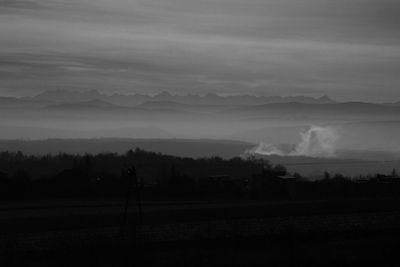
(176,147)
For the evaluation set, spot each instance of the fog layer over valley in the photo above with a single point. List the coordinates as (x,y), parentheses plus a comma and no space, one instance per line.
(271,120)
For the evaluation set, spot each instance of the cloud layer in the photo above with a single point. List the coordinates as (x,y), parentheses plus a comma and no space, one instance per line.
(347,48)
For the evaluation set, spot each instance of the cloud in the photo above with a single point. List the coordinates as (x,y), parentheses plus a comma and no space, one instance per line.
(343,48)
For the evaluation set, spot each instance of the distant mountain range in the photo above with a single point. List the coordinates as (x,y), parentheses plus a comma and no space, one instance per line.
(65,96)
(164,104)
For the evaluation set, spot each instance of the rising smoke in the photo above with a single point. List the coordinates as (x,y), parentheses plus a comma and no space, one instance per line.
(317,141)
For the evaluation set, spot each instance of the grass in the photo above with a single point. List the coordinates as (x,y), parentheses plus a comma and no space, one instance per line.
(307,233)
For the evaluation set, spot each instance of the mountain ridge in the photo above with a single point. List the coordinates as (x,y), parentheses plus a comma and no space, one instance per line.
(208,99)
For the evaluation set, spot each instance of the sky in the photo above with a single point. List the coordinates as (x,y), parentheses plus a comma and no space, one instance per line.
(347,49)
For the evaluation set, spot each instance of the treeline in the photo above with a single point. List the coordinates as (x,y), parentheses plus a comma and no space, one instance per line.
(103,175)
(161,176)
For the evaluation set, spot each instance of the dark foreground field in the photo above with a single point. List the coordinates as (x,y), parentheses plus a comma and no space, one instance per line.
(93,233)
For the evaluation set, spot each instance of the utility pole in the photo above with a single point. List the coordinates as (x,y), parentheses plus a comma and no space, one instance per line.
(138,186)
(133,183)
(131,177)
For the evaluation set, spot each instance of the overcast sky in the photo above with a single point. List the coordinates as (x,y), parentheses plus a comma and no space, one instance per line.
(348,49)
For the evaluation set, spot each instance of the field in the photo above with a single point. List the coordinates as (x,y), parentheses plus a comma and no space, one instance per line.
(316,232)
(349,164)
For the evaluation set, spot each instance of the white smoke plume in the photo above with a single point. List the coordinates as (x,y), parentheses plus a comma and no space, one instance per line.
(266,150)
(317,141)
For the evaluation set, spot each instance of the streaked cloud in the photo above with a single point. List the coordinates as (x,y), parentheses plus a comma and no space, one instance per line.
(346,48)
